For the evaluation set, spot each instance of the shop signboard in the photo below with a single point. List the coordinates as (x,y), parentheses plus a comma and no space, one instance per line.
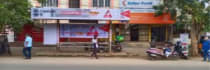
(84,31)
(139,6)
(80,14)
(208,34)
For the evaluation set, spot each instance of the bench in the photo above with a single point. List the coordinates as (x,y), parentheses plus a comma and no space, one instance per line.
(87,46)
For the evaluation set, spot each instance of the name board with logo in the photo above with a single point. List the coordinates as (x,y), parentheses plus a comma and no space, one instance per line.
(139,5)
(80,14)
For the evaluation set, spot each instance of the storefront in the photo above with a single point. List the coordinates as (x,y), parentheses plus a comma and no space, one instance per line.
(77,25)
(147,27)
(144,25)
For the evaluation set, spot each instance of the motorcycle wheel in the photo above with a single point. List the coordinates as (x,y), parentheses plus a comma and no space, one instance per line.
(150,57)
(185,57)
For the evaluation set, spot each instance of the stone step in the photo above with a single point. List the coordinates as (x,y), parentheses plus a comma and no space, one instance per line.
(122,54)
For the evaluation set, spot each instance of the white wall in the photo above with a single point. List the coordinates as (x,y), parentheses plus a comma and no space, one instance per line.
(50,34)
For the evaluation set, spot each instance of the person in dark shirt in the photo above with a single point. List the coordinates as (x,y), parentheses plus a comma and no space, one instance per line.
(200,45)
(206,49)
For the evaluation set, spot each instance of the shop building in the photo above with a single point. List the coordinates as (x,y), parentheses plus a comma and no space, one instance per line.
(143,25)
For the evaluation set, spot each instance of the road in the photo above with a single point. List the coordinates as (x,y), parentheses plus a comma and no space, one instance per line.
(84,63)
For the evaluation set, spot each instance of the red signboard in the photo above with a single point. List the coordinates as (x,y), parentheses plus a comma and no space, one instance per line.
(149,18)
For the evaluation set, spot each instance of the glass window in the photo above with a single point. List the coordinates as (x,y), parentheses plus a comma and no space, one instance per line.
(95,2)
(49,3)
(74,3)
(101,3)
(107,3)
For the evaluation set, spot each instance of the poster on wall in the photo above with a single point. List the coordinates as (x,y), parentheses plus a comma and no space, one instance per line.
(184,37)
(84,31)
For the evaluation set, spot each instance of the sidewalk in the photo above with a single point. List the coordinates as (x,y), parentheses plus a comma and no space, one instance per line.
(101,61)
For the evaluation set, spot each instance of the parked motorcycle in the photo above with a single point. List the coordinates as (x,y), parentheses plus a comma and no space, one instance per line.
(181,49)
(117,47)
(164,52)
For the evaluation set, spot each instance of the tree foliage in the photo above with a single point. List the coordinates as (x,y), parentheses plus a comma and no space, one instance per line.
(189,12)
(186,11)
(14,13)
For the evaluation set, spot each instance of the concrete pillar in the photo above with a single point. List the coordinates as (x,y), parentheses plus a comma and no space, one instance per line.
(127,32)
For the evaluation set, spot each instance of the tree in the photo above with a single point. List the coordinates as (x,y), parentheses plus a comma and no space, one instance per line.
(190,12)
(14,13)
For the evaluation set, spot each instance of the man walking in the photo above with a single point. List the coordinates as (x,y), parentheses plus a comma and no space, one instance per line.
(27,47)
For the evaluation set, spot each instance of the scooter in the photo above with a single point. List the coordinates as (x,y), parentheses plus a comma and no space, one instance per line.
(154,53)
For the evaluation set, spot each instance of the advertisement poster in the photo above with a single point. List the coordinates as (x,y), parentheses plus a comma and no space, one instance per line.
(83,30)
(82,14)
(185,42)
(184,37)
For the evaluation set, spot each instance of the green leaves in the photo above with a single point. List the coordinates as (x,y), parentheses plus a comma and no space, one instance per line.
(14,13)
(207,18)
(159,10)
(186,11)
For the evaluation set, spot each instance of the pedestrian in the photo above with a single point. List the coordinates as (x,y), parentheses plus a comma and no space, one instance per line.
(95,47)
(205,49)
(27,46)
(119,38)
(2,47)
(200,45)
(6,44)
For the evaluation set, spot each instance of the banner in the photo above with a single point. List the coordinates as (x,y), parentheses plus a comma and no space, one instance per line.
(83,30)
(79,14)
(139,6)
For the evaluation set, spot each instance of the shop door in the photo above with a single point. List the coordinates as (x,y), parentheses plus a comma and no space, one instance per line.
(158,34)
(134,33)
(50,34)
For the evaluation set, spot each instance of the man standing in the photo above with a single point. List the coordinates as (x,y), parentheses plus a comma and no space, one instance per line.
(205,49)
(27,47)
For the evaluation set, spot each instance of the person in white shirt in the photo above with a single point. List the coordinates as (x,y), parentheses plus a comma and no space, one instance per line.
(95,47)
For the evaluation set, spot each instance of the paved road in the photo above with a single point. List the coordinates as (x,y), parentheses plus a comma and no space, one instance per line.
(76,63)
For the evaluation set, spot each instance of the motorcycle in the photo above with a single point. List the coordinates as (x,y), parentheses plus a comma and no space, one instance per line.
(117,47)
(181,49)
